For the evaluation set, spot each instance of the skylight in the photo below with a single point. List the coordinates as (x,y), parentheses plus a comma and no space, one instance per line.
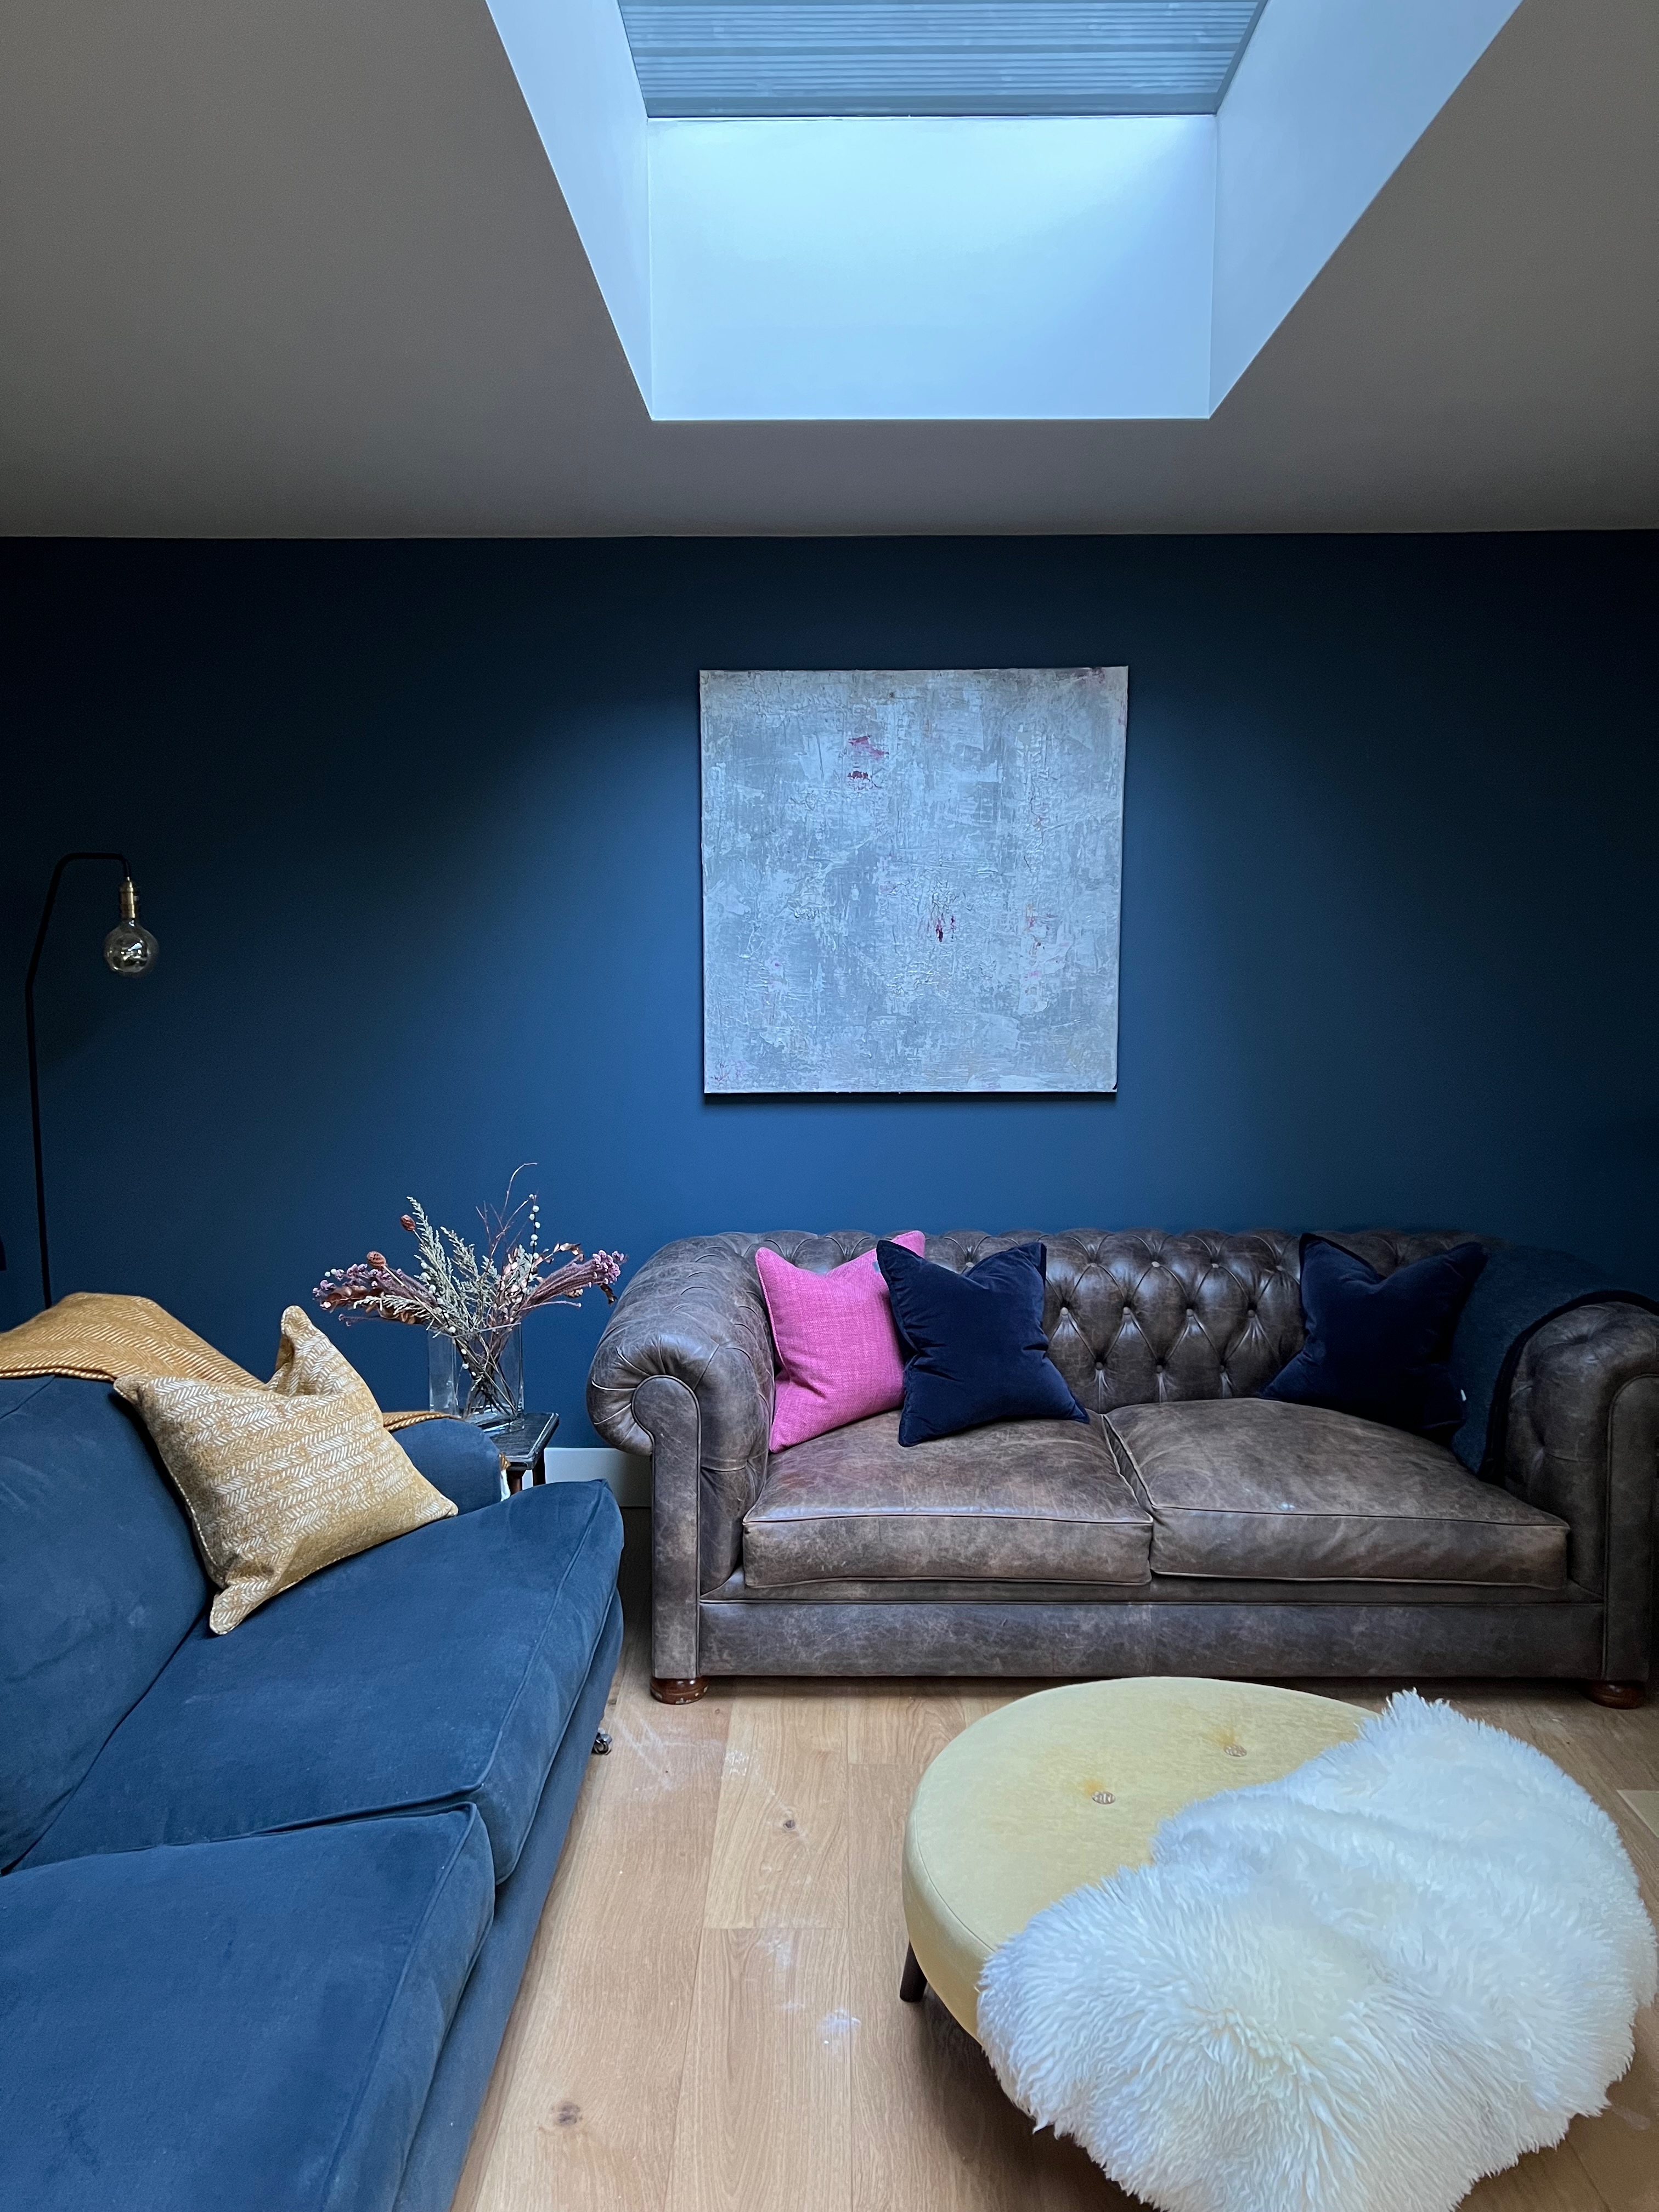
(835,57)
(881,264)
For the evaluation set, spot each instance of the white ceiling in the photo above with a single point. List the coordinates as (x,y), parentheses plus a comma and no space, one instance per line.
(302,269)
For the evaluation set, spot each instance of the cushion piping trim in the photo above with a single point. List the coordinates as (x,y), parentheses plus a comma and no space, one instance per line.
(834,1516)
(1035,1582)
(348,2125)
(577,1553)
(1402,1582)
(1548,1521)
(1567,1594)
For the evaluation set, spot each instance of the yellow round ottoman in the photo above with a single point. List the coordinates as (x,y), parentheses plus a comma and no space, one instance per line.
(1065,1787)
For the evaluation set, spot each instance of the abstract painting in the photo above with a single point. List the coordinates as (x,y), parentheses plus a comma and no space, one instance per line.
(910,878)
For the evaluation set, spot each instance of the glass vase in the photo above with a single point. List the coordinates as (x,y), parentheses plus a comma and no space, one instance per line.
(481,1379)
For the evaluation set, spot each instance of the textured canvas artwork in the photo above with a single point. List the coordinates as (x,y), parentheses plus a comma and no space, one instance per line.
(910,878)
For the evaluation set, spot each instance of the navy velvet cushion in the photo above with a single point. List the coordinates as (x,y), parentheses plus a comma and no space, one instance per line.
(974,1346)
(1377,1345)
(457,1458)
(234,2028)
(437,1668)
(99,1585)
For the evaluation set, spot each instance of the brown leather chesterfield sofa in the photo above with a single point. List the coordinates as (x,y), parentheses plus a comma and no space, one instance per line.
(1192,1527)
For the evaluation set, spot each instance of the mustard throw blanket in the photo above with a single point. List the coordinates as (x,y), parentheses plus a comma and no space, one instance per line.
(97,1335)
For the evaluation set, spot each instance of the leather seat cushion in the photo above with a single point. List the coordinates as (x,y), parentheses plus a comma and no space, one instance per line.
(1243,1487)
(1020,1501)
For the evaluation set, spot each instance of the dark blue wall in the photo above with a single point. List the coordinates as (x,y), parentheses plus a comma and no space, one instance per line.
(416,825)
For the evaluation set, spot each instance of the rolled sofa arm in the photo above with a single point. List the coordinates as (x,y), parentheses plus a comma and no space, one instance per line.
(456,1458)
(683,1370)
(1583,1442)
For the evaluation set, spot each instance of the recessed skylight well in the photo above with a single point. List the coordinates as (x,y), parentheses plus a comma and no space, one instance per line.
(708,58)
(952,210)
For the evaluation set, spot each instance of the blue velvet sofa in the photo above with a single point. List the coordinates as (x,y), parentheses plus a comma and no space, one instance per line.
(268,1896)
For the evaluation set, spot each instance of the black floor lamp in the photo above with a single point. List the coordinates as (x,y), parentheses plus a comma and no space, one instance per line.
(129,950)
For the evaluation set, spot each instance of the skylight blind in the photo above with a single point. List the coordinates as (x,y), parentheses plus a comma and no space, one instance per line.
(731,58)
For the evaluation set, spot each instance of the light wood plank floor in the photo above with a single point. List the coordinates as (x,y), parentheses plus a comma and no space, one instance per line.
(710,2020)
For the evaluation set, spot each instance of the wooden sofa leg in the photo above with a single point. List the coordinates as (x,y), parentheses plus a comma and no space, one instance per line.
(912,1983)
(678,1689)
(1621,1696)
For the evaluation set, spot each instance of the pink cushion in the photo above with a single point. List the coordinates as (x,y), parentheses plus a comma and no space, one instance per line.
(838,1353)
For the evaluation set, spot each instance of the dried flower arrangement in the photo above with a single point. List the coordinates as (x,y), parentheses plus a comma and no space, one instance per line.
(477,1298)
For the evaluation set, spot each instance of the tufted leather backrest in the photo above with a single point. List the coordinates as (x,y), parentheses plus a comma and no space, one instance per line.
(1137,1316)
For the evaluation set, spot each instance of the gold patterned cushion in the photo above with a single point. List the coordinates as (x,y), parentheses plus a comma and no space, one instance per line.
(282,1480)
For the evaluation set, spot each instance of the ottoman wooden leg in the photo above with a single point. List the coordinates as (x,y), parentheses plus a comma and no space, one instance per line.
(676,1689)
(912,1983)
(1621,1696)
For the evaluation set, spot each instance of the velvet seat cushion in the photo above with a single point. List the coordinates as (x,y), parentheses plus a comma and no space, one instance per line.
(236,2026)
(1247,1489)
(437,1670)
(99,1585)
(1016,1501)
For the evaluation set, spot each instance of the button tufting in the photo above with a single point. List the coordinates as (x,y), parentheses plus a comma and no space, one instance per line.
(1118,1296)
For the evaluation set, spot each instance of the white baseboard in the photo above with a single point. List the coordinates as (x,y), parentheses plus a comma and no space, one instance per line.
(629,1474)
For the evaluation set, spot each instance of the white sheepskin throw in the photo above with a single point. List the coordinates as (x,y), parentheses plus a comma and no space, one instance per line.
(1356,1989)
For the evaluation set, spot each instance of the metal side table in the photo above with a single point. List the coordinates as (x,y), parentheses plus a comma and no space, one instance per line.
(521,1443)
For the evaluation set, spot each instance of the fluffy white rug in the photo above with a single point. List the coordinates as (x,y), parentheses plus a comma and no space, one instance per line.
(1356,1989)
